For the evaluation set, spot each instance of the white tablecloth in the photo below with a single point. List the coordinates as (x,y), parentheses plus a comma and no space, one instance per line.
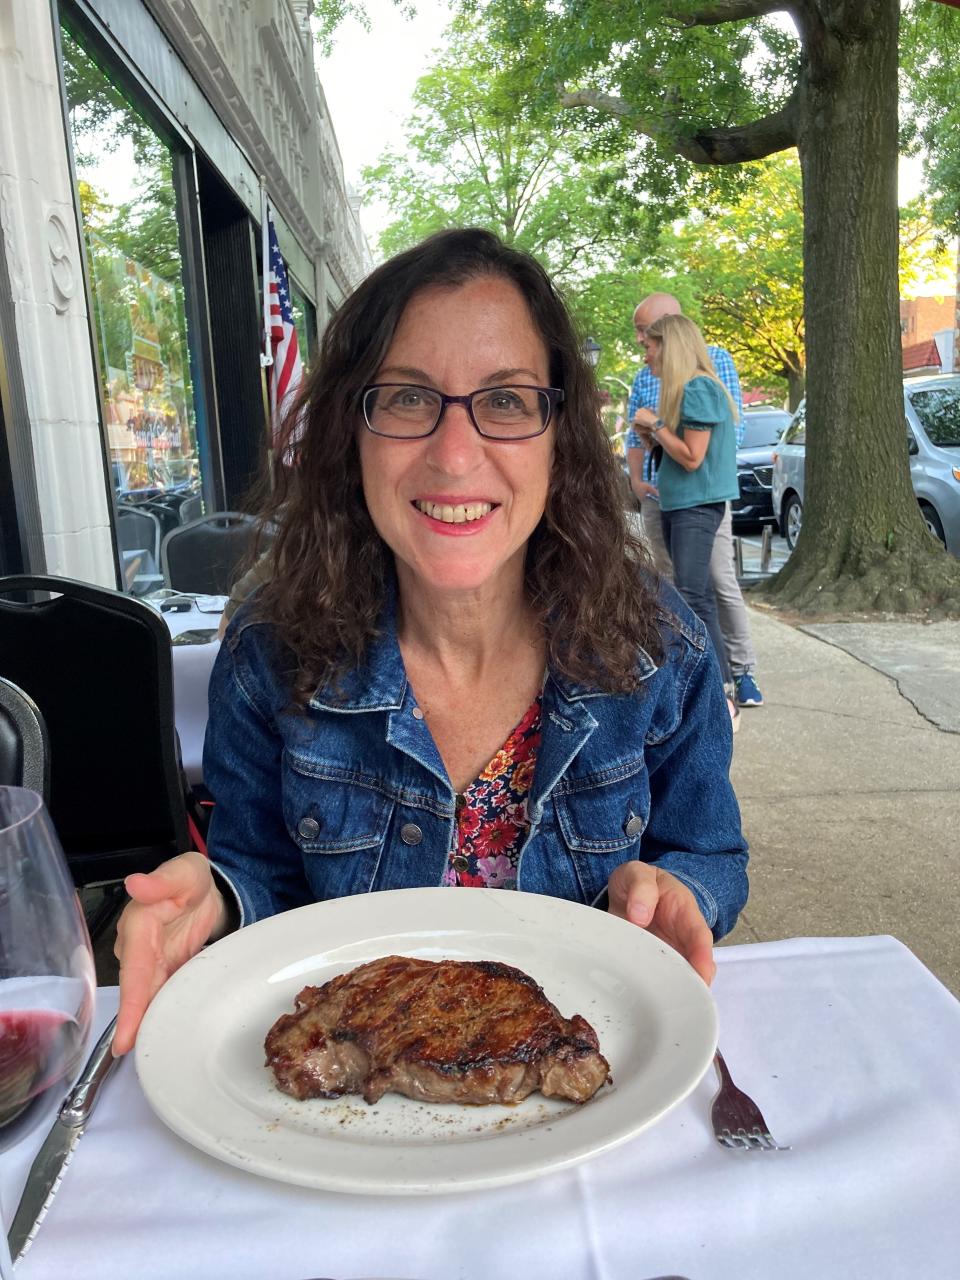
(192,664)
(850,1045)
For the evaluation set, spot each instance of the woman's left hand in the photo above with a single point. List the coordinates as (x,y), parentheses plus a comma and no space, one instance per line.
(644,419)
(661,903)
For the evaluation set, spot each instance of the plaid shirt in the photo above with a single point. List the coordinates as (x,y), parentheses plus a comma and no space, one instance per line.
(645,394)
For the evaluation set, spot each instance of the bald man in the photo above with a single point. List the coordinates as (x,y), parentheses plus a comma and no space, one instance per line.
(645,394)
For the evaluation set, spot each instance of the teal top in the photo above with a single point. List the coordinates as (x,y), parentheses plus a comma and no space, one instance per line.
(704,407)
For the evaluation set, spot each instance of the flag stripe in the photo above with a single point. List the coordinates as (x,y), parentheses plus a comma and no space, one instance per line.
(285,374)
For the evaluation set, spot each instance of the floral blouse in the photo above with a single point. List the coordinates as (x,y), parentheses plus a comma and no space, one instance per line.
(492,813)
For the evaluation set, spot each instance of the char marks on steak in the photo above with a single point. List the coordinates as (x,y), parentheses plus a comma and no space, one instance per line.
(450,1031)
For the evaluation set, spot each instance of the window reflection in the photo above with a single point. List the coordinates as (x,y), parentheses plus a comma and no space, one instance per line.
(939,412)
(304,323)
(129,211)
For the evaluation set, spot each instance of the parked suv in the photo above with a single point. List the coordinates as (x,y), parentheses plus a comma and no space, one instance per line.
(762,429)
(932,409)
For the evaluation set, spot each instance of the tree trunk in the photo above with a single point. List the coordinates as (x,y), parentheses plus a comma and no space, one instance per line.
(863,544)
(796,382)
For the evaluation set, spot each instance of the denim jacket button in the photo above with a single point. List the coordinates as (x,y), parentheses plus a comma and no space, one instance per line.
(308,828)
(633,826)
(410,833)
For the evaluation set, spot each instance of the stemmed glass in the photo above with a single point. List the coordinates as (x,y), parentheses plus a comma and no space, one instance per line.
(47,982)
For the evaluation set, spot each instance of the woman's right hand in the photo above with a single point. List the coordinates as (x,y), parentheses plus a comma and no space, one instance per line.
(173,911)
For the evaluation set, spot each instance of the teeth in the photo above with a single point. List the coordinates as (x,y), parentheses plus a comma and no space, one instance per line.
(462,514)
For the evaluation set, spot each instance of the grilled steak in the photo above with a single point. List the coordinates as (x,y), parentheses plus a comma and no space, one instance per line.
(449,1031)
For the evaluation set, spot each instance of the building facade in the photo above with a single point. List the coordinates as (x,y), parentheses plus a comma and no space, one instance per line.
(923,317)
(136,138)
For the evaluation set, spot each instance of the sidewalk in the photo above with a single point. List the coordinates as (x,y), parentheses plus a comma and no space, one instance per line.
(850,795)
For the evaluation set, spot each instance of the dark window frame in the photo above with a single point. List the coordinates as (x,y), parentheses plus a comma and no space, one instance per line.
(21,531)
(93,34)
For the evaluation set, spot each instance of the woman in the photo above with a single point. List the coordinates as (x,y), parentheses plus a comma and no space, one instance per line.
(455,673)
(697,474)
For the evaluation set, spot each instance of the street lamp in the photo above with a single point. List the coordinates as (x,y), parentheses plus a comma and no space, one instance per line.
(591,350)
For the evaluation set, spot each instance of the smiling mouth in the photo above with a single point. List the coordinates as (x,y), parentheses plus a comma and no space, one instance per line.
(463,513)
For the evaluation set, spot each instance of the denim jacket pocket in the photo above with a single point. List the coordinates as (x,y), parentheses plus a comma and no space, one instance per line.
(333,811)
(606,817)
(601,826)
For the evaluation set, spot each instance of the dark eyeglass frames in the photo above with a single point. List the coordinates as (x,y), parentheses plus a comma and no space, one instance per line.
(404,412)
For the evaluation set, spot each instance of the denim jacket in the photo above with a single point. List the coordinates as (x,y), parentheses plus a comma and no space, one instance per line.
(351,795)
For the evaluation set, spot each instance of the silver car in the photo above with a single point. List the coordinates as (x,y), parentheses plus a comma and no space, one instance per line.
(932,409)
(762,428)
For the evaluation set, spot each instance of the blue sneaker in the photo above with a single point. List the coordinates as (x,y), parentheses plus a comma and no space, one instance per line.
(747,692)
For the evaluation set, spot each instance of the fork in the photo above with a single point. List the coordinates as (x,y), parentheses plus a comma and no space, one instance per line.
(737,1120)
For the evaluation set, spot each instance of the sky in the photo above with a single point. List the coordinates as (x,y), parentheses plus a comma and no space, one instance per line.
(368,81)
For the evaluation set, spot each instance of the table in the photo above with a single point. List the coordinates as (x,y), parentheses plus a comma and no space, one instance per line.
(192,664)
(850,1046)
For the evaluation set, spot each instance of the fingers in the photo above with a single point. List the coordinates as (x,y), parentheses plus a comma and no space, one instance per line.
(641,903)
(139,983)
(155,935)
(681,925)
(657,901)
(634,892)
(179,879)
(141,971)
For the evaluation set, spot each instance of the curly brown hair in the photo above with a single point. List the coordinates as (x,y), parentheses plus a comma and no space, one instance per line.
(588,577)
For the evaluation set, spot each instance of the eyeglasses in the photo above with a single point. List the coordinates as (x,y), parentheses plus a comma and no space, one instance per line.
(404,412)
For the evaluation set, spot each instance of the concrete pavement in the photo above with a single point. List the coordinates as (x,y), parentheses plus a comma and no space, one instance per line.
(850,794)
(923,658)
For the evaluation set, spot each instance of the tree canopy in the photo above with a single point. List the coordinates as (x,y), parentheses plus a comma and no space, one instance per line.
(678,99)
(470,159)
(931,91)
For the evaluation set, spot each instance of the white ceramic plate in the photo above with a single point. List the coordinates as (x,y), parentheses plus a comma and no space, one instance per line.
(200,1052)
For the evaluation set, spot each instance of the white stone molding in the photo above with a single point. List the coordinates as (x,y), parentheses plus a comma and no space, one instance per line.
(254,61)
(43,255)
(63,275)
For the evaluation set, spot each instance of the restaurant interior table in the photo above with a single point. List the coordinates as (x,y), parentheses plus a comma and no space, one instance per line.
(850,1046)
(192,664)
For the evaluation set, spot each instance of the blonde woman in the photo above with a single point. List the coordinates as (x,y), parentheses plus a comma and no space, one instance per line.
(695,428)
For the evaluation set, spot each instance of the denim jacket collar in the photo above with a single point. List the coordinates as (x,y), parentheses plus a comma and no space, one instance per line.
(381,684)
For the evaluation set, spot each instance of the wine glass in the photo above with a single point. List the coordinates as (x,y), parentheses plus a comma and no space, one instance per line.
(47,982)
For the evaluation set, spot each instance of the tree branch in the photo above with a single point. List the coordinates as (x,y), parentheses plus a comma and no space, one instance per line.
(712,14)
(775,132)
(818,43)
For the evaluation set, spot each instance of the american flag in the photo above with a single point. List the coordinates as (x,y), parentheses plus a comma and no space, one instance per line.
(286,372)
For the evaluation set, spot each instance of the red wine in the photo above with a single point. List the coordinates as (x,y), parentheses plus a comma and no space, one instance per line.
(38,1048)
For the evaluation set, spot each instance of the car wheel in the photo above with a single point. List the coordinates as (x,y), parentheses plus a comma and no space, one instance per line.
(792,519)
(933,523)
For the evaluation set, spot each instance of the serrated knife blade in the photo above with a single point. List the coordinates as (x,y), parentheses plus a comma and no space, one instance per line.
(50,1164)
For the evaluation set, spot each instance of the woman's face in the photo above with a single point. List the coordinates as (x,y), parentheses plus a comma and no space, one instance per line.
(655,355)
(457,339)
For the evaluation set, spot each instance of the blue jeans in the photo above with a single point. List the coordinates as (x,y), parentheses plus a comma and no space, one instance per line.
(689,535)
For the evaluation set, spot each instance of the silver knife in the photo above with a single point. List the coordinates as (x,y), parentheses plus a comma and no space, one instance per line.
(53,1157)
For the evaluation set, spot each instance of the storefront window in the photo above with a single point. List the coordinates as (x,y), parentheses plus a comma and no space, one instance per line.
(125,172)
(305,323)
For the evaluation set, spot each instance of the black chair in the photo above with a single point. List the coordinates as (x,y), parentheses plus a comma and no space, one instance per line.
(191,508)
(98,665)
(203,557)
(24,758)
(138,536)
(138,530)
